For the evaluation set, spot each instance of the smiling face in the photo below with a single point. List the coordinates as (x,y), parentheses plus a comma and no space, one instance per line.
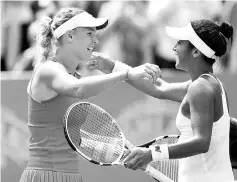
(183,54)
(83,42)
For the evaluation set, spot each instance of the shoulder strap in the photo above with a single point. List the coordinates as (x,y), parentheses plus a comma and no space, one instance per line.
(223,95)
(30,86)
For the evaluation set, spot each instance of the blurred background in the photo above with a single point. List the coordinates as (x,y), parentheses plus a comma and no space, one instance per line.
(135,35)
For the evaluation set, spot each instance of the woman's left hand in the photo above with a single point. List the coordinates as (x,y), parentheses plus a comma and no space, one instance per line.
(147,71)
(138,158)
(101,62)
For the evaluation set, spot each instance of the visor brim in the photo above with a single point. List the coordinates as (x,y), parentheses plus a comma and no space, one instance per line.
(177,33)
(98,23)
(102,23)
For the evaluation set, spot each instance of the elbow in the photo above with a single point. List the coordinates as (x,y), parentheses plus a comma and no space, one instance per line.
(204,145)
(79,93)
(205,149)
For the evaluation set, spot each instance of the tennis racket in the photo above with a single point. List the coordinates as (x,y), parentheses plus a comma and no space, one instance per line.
(97,137)
(167,167)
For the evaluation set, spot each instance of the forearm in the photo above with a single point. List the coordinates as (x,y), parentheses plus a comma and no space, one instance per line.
(147,87)
(188,148)
(90,86)
(143,85)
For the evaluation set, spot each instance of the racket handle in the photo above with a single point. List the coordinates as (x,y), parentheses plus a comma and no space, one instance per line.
(129,145)
(157,175)
(150,170)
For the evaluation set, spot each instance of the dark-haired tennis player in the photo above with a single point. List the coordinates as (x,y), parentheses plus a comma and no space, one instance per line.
(203,118)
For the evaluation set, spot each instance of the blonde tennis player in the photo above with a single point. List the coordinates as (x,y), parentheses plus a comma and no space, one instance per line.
(63,43)
(203,118)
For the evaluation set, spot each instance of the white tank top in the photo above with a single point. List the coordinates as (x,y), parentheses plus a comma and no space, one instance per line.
(214,165)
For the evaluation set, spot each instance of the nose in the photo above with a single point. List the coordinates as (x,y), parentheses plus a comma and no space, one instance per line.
(95,40)
(174,48)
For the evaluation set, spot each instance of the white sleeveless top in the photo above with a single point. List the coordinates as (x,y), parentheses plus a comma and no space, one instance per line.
(214,165)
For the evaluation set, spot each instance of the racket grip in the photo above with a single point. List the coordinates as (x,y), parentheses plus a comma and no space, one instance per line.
(156,174)
(129,145)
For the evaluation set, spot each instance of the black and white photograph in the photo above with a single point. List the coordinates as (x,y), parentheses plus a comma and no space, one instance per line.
(118,91)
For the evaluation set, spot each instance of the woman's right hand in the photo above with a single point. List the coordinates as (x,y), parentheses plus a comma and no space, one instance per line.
(145,71)
(101,62)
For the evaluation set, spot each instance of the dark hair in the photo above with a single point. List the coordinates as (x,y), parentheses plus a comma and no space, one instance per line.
(47,27)
(214,35)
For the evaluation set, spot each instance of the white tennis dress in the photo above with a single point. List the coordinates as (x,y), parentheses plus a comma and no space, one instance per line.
(214,165)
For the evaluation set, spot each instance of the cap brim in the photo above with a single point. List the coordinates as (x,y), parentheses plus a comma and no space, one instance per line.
(98,23)
(102,23)
(177,33)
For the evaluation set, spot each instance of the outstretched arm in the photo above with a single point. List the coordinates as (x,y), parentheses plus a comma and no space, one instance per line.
(200,98)
(159,89)
(59,81)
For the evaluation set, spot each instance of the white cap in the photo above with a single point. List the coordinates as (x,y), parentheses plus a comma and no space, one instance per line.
(188,33)
(83,19)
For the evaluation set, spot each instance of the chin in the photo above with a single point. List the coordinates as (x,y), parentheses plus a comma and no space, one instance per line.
(178,66)
(85,58)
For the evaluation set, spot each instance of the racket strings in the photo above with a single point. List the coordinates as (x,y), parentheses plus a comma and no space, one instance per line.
(95,134)
(167,167)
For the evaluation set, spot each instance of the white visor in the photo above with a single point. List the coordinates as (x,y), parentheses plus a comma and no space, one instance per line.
(188,33)
(83,19)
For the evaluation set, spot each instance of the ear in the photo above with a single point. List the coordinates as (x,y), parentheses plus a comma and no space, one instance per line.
(69,36)
(196,53)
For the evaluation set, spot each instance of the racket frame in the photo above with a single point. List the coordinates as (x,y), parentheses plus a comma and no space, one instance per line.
(68,138)
(151,142)
(149,169)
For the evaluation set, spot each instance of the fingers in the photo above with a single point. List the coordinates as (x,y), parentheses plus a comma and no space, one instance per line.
(92,64)
(133,161)
(148,76)
(133,164)
(95,54)
(152,74)
(130,156)
(153,70)
(138,159)
(143,167)
(126,153)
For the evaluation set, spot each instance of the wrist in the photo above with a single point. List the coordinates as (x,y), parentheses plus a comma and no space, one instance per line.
(150,155)
(111,65)
(119,66)
(126,78)
(159,152)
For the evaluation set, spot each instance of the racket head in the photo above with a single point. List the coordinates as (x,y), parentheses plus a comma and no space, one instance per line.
(168,167)
(166,139)
(94,134)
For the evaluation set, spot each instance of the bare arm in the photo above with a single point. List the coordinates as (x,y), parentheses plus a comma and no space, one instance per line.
(162,89)
(60,81)
(159,89)
(201,101)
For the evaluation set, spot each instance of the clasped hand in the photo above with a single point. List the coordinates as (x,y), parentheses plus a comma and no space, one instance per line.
(138,158)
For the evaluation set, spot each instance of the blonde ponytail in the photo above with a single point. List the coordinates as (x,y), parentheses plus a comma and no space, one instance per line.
(44,40)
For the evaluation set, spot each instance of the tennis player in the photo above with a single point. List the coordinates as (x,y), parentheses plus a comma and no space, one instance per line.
(203,118)
(63,43)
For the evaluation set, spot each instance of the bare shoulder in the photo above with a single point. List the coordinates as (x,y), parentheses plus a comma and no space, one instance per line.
(50,69)
(201,89)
